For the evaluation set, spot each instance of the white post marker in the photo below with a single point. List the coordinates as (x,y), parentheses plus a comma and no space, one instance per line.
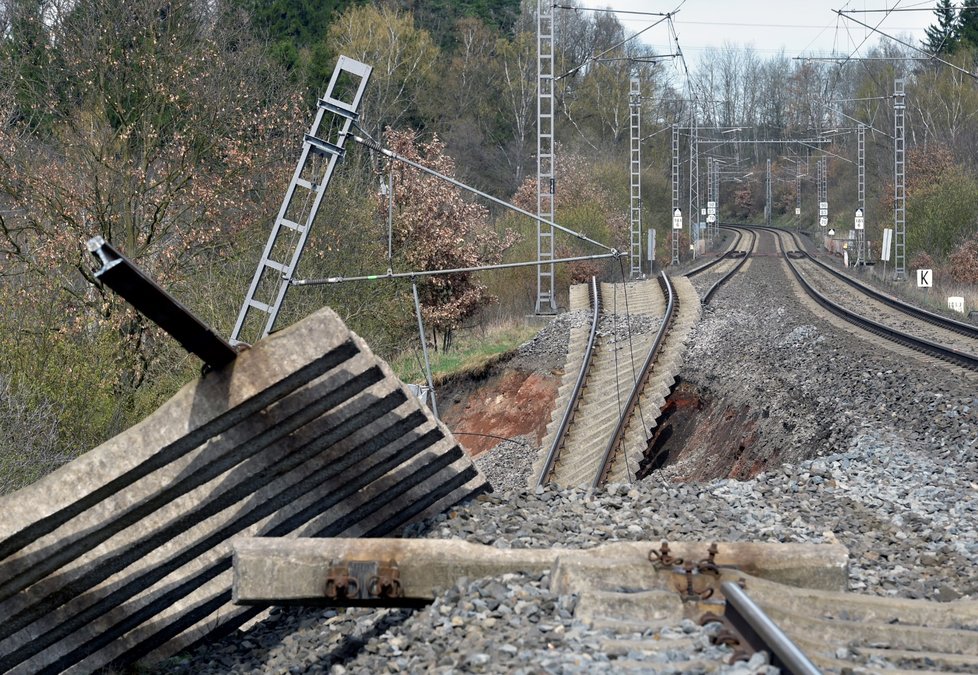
(887,244)
(677,219)
(860,220)
(925,278)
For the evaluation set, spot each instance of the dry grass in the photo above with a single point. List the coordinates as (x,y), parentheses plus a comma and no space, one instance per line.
(474,350)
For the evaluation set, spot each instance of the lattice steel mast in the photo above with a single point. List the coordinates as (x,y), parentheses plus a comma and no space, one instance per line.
(322,148)
(675,192)
(767,195)
(694,181)
(635,165)
(899,181)
(861,195)
(546,302)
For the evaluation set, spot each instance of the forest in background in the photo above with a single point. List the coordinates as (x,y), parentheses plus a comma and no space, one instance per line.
(171,127)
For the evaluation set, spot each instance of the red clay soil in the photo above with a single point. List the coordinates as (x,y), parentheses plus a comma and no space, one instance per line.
(507,403)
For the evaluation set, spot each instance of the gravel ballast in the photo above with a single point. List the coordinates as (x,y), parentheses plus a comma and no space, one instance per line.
(878,453)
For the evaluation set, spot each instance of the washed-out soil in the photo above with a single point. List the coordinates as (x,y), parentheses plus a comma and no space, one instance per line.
(500,403)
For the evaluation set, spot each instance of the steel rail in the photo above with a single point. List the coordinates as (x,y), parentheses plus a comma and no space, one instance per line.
(702,268)
(762,633)
(942,352)
(618,436)
(736,268)
(944,322)
(572,403)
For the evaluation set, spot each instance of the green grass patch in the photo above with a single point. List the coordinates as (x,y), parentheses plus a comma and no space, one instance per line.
(474,350)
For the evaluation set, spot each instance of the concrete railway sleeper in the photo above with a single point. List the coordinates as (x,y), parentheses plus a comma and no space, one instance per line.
(613,387)
(125,554)
(786,599)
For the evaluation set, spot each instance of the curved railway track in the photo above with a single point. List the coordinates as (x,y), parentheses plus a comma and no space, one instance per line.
(615,386)
(942,338)
(726,265)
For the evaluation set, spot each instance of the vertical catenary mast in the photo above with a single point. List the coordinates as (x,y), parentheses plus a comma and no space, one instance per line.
(675,193)
(694,182)
(635,164)
(899,181)
(767,196)
(798,191)
(861,196)
(546,302)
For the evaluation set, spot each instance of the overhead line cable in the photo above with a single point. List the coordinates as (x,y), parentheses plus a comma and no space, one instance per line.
(373,145)
(608,10)
(850,117)
(612,47)
(934,57)
(456,270)
(867,36)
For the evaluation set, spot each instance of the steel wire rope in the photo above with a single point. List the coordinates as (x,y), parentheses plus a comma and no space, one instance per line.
(374,146)
(631,353)
(616,45)
(614,347)
(866,37)
(501,438)
(608,10)
(932,57)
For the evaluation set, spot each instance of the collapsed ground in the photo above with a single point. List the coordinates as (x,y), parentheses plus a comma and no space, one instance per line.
(784,428)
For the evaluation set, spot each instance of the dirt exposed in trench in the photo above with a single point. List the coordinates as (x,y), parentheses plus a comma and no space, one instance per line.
(702,438)
(699,437)
(501,402)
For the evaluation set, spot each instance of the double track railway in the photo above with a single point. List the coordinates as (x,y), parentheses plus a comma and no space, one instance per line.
(878,313)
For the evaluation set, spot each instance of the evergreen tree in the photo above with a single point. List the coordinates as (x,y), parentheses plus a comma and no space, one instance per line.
(942,38)
(968,25)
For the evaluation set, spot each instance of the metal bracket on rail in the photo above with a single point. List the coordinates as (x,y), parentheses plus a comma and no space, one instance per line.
(348,580)
(748,630)
(695,581)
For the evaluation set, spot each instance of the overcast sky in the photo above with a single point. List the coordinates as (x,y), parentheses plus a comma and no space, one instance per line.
(800,27)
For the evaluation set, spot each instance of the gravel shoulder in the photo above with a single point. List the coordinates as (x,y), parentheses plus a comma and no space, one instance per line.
(876,451)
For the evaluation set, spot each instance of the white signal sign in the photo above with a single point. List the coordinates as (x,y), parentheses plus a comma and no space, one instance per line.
(823,212)
(925,278)
(823,205)
(711,205)
(823,221)
(711,218)
(702,212)
(887,243)
(797,211)
(860,220)
(677,219)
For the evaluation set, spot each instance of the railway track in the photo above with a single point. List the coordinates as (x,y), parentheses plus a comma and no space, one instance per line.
(880,314)
(616,383)
(720,270)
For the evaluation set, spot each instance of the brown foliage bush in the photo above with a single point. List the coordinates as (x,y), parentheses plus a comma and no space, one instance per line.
(964,262)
